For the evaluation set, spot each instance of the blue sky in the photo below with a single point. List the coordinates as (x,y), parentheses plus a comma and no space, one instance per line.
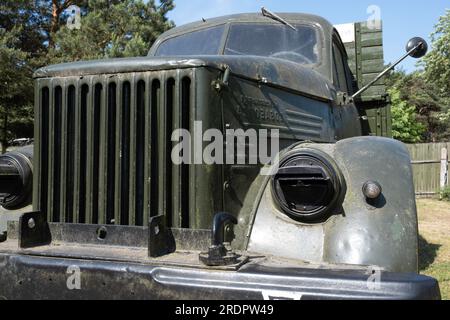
(402,19)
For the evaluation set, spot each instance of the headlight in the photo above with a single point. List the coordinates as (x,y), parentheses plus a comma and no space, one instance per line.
(308,186)
(16,179)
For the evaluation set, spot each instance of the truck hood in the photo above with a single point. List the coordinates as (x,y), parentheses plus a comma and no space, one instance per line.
(270,71)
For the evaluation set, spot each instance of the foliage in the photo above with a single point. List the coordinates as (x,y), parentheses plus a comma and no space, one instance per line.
(113,29)
(445,193)
(425,94)
(405,127)
(437,62)
(16,86)
(430,107)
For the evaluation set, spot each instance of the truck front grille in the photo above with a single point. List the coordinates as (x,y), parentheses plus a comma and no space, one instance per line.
(103,147)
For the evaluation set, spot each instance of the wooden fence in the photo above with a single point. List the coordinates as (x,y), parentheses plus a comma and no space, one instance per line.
(430,166)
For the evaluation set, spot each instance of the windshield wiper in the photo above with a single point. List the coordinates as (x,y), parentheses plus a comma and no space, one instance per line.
(273,16)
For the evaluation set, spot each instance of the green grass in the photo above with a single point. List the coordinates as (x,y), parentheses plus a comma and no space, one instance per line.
(441,272)
(434,242)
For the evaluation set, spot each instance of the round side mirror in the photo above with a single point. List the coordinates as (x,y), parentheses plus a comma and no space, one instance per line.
(420,51)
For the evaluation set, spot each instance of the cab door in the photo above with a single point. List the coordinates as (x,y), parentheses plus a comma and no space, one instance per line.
(346,116)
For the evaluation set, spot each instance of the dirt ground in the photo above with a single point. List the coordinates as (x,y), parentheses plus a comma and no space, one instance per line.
(434,241)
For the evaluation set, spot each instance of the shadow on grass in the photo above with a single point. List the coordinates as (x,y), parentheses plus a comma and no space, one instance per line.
(427,253)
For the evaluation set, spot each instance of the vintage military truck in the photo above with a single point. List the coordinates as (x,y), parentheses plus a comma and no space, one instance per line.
(334,219)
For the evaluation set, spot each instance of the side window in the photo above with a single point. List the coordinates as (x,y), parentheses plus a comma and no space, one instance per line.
(340,79)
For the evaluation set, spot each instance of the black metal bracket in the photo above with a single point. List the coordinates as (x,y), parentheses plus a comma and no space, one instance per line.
(218,254)
(34,230)
(160,241)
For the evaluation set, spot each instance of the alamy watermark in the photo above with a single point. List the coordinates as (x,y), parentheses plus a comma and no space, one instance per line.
(374,19)
(74,19)
(234,146)
(74,279)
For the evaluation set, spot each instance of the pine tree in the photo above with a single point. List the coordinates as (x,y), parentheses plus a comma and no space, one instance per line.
(113,29)
(16,85)
(34,33)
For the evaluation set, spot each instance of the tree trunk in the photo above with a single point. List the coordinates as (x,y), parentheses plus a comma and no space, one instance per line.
(57,9)
(54,23)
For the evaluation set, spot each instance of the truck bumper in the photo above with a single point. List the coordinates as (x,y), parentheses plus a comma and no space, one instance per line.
(40,277)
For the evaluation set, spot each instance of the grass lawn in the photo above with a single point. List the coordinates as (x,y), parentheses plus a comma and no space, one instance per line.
(434,243)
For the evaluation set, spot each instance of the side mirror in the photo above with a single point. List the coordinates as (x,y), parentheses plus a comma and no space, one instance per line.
(416,48)
(420,45)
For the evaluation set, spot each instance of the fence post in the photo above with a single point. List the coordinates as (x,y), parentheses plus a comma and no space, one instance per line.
(444,168)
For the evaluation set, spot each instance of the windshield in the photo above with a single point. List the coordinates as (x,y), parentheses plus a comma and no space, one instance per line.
(268,40)
(202,42)
(276,41)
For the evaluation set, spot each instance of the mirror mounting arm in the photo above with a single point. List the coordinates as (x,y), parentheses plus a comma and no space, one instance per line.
(382,74)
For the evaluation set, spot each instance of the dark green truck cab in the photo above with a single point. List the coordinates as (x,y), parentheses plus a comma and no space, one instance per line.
(332,217)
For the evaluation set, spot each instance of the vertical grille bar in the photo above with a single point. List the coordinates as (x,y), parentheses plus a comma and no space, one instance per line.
(38,111)
(91,108)
(62,156)
(147,148)
(55,164)
(161,145)
(107,125)
(154,154)
(176,169)
(68,152)
(131,213)
(100,106)
(164,150)
(42,111)
(76,156)
(115,192)
(50,150)
(192,169)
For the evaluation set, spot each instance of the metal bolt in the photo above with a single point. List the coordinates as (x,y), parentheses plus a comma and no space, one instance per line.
(372,190)
(217,86)
(31,223)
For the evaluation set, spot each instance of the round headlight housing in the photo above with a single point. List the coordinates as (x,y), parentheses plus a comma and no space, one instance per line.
(308,186)
(16,179)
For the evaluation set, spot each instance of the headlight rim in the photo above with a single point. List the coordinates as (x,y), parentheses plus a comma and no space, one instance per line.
(338,181)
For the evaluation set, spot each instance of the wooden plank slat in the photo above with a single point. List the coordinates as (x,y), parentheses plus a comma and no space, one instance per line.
(372,39)
(426,164)
(373,66)
(372,53)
